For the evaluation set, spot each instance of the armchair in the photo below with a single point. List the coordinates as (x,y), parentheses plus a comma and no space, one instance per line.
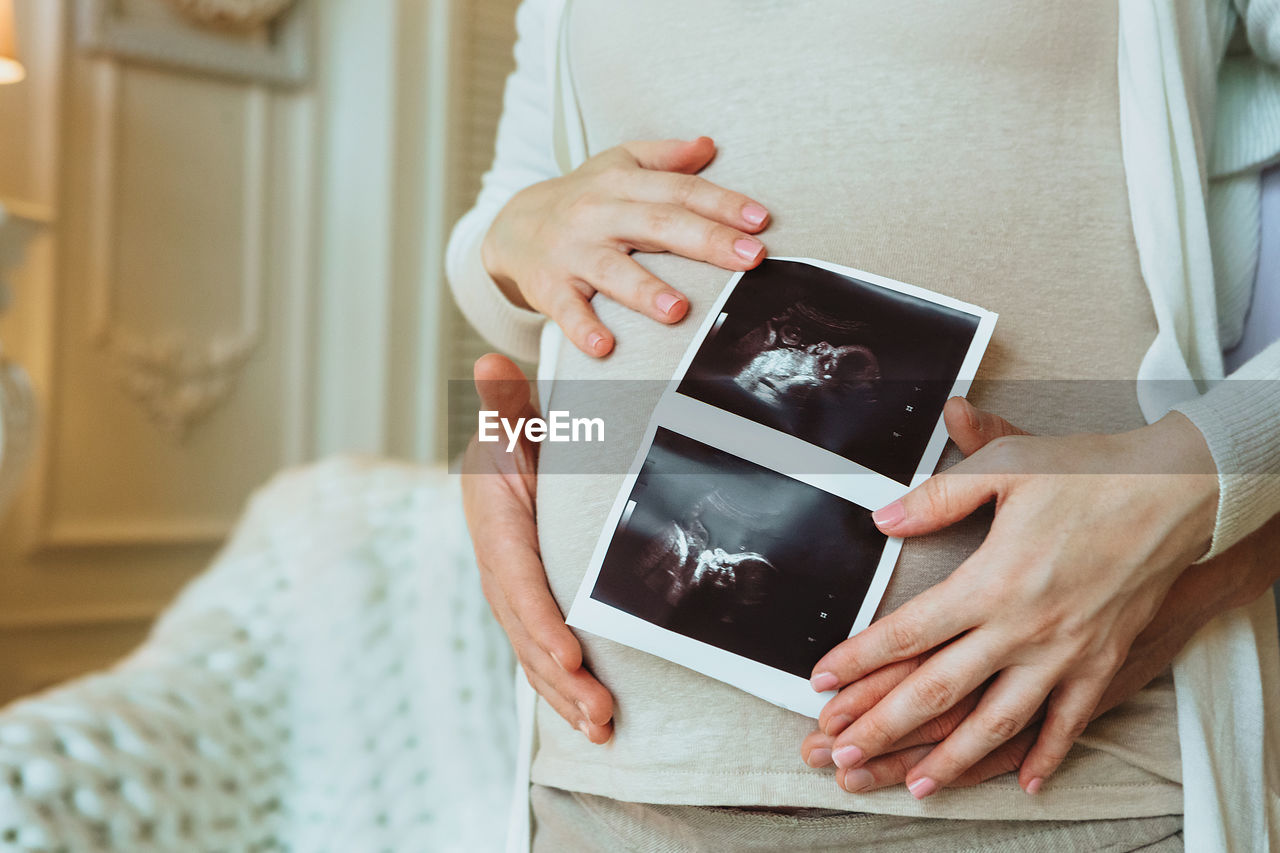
(334,682)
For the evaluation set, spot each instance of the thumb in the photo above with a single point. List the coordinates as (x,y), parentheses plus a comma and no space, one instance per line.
(503,387)
(945,498)
(972,428)
(939,501)
(673,155)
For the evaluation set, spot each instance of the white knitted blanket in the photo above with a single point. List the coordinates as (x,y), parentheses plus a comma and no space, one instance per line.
(334,682)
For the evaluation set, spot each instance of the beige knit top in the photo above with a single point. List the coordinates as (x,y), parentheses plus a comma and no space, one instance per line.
(969,147)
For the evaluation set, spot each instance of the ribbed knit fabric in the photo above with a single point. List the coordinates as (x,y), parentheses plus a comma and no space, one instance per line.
(1228,677)
(1248,135)
(1235,211)
(1240,419)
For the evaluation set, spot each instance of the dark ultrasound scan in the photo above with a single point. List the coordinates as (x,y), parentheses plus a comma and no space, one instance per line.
(852,367)
(725,551)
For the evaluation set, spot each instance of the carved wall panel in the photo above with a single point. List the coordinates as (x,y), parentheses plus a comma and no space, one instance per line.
(168,385)
(164,313)
(233,277)
(236,14)
(262,41)
(175,282)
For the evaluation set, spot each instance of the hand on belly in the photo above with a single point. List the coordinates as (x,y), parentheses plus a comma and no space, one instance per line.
(1080,595)
(558,242)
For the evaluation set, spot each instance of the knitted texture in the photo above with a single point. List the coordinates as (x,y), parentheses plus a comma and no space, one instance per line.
(334,682)
(1238,418)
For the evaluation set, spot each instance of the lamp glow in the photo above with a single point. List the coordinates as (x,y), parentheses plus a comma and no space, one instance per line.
(11,70)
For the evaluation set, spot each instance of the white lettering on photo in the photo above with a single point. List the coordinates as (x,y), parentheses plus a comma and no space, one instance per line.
(588,425)
(488,426)
(513,434)
(559,424)
(559,427)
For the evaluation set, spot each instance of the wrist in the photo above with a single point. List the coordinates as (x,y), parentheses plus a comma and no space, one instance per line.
(1174,452)
(1248,569)
(491,258)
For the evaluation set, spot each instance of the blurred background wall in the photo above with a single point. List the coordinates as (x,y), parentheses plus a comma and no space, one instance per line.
(237,267)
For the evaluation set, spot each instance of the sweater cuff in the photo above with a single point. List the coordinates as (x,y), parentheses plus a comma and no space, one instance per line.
(508,327)
(1240,420)
(1247,126)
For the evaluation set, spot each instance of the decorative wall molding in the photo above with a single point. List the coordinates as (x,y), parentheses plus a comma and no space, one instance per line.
(180,376)
(44,55)
(358,182)
(89,535)
(272,45)
(17,429)
(177,378)
(17,400)
(36,213)
(233,14)
(344,185)
(79,616)
(36,659)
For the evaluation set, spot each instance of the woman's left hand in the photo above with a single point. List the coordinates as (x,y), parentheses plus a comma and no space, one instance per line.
(1090,533)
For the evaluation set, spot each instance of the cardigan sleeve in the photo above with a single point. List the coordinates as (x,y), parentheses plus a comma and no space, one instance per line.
(1240,416)
(522,157)
(1249,93)
(1240,420)
(1261,19)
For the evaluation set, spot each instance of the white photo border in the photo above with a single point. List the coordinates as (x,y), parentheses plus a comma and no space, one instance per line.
(784,454)
(769,683)
(964,376)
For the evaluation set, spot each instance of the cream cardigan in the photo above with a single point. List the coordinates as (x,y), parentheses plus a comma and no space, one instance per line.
(1200,117)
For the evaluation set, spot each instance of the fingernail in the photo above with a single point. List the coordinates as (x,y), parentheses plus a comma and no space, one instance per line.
(858,780)
(666,302)
(847,756)
(753,213)
(555,657)
(585,729)
(823,681)
(819,757)
(889,515)
(596,342)
(972,413)
(836,725)
(748,249)
(1033,787)
(583,708)
(922,787)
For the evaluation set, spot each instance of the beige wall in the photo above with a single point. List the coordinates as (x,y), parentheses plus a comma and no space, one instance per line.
(231,279)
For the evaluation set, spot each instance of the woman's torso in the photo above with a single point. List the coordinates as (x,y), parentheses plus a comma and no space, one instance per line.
(969,147)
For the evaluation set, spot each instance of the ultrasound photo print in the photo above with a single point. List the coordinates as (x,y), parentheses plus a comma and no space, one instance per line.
(858,369)
(730,553)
